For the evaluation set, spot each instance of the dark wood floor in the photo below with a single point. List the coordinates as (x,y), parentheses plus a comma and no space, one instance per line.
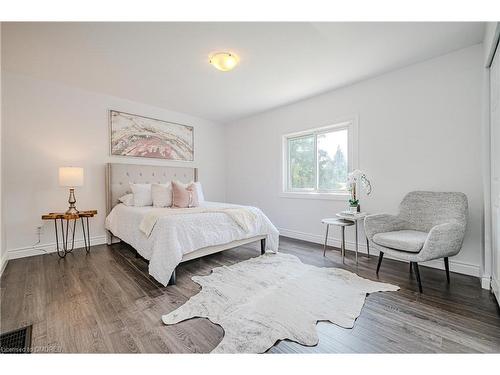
(106,302)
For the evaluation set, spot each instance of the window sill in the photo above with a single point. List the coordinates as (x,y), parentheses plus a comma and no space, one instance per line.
(312,195)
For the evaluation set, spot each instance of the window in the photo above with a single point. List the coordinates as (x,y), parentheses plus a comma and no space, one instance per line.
(317,161)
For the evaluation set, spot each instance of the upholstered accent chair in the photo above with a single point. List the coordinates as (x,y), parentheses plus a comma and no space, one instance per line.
(430,225)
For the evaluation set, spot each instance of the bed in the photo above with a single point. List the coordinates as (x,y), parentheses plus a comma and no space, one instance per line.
(181,237)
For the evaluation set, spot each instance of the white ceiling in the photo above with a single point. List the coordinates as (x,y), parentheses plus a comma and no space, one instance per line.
(166,64)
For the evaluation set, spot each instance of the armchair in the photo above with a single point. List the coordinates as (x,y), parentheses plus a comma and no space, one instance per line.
(429,225)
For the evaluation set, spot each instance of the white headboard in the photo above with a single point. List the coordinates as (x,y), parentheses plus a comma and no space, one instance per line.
(118,177)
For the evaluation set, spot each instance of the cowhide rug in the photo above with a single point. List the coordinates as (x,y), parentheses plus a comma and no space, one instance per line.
(275,297)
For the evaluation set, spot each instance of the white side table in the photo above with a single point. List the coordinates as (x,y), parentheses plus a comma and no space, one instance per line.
(342,224)
(355,218)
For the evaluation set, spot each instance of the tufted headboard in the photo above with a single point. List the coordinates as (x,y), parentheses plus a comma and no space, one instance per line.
(119,175)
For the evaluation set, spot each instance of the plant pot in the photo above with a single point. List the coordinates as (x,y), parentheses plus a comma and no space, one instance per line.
(353,209)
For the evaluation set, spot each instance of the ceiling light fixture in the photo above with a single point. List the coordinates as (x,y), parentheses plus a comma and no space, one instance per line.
(224,61)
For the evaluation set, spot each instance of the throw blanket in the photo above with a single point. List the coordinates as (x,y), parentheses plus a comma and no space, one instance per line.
(245,218)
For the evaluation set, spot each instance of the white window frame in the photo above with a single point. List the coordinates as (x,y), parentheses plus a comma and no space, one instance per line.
(349,123)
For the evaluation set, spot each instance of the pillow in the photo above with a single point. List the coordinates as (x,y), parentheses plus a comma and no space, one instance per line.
(184,196)
(199,192)
(127,199)
(162,195)
(196,188)
(142,194)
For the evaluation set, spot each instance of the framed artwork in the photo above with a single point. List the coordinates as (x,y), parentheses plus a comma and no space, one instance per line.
(144,137)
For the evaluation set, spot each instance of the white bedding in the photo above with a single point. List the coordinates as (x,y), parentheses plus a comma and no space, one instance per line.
(176,235)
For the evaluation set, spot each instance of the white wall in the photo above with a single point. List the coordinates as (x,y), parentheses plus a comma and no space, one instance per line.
(419,128)
(47,125)
(491,31)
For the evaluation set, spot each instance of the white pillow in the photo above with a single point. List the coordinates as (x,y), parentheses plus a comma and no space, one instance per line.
(142,194)
(127,199)
(162,195)
(199,191)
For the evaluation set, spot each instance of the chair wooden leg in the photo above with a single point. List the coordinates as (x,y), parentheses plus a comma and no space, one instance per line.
(263,246)
(380,256)
(415,266)
(411,270)
(447,267)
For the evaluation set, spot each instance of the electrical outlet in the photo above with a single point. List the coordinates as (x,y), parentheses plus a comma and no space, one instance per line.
(38,232)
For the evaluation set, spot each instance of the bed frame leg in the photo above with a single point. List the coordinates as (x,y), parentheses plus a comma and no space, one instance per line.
(263,246)
(172,280)
(109,237)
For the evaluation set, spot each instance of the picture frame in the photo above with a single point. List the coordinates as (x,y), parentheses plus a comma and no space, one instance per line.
(139,136)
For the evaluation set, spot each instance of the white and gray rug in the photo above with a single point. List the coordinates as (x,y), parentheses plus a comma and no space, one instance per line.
(274,297)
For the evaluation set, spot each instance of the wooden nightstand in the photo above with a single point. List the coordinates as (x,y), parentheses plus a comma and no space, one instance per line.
(62,217)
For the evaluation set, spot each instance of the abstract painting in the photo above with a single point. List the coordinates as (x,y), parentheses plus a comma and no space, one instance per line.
(134,135)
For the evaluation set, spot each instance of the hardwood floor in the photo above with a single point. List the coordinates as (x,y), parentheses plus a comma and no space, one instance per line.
(106,302)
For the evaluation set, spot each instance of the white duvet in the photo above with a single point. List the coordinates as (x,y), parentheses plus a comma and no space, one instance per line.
(175,235)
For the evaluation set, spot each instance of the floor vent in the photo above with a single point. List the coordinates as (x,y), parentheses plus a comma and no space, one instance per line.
(18,341)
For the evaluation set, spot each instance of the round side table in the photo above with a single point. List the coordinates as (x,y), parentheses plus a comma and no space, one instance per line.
(339,223)
(355,218)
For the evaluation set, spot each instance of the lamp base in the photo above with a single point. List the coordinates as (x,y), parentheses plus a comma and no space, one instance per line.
(72,211)
(72,200)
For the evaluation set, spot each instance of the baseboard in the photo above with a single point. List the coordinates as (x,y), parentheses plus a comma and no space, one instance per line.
(320,239)
(455,265)
(495,287)
(40,249)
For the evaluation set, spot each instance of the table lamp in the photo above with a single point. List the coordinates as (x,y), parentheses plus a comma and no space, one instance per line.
(71,177)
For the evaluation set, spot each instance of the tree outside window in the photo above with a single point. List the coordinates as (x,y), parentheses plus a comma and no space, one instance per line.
(318,161)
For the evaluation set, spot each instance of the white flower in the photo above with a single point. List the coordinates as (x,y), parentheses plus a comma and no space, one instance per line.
(358,175)
(354,175)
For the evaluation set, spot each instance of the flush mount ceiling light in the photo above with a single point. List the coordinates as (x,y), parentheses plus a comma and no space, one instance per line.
(224,61)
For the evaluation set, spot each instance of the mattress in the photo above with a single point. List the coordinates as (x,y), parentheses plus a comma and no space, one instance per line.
(177,235)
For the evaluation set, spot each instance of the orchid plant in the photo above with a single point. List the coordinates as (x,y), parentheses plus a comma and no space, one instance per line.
(352,179)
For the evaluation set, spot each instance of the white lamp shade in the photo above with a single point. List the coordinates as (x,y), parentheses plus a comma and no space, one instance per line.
(70,176)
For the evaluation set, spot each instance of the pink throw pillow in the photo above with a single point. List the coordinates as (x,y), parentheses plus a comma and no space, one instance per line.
(184,196)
